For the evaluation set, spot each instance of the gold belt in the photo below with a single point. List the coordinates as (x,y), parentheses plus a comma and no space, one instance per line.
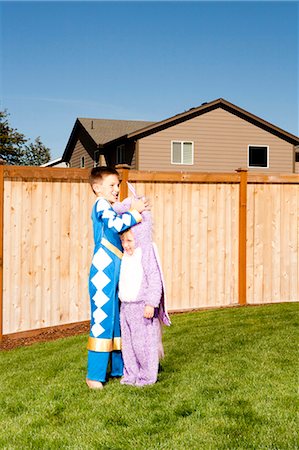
(112,248)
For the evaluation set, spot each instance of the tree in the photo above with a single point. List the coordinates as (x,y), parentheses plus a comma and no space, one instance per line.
(35,154)
(15,149)
(11,141)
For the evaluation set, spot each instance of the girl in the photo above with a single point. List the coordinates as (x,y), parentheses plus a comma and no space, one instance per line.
(141,291)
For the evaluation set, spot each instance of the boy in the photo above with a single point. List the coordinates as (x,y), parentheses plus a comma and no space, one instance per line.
(104,339)
(143,310)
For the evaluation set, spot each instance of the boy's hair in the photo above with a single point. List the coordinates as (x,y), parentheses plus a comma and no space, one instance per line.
(99,173)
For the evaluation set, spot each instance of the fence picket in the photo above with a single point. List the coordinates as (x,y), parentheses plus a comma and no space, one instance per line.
(221,238)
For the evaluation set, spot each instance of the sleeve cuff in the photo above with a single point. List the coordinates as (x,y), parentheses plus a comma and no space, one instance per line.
(137,216)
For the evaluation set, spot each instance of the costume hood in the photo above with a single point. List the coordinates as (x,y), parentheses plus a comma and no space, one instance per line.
(143,238)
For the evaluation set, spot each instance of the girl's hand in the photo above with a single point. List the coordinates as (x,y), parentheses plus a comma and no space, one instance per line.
(148,312)
(141,205)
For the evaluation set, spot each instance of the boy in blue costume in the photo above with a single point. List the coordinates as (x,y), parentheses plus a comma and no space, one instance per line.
(104,339)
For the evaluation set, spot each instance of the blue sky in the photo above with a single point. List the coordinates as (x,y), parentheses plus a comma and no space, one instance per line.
(144,61)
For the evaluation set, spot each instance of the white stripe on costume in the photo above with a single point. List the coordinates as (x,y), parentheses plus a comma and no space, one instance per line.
(99,315)
(101,204)
(97,330)
(100,298)
(127,219)
(116,222)
(101,261)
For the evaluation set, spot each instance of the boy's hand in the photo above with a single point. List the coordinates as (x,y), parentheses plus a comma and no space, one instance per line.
(141,205)
(148,312)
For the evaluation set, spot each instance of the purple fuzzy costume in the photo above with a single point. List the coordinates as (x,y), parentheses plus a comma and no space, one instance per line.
(142,338)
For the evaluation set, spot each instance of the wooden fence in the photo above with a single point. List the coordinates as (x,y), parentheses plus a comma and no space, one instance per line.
(224,239)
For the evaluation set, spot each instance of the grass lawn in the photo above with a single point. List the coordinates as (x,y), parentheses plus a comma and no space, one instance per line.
(229,381)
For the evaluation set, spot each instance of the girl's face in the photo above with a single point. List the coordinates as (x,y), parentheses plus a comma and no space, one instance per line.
(128,242)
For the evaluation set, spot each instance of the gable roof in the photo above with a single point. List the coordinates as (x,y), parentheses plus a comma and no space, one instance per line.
(206,107)
(103,131)
(99,132)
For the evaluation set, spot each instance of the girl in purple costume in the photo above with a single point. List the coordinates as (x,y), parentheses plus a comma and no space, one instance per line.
(143,311)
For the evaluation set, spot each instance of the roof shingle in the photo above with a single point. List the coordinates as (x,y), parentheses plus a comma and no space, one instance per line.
(106,130)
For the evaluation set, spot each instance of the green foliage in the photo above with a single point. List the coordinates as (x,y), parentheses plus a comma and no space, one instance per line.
(35,154)
(228,381)
(14,147)
(11,141)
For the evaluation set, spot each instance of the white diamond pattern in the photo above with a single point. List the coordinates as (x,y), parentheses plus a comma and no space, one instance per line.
(99,315)
(97,329)
(101,261)
(117,223)
(100,280)
(101,204)
(108,214)
(126,219)
(100,298)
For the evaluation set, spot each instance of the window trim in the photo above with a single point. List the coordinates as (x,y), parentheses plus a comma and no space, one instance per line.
(82,162)
(268,156)
(182,142)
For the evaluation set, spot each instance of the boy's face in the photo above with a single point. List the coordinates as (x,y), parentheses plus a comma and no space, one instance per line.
(128,242)
(108,188)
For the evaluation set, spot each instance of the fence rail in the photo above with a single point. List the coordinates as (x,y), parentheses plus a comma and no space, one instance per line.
(224,239)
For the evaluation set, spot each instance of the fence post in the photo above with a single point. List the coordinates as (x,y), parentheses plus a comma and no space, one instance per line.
(1,247)
(242,237)
(123,170)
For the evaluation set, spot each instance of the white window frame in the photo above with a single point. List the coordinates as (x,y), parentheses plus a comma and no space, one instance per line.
(120,154)
(182,146)
(82,162)
(268,156)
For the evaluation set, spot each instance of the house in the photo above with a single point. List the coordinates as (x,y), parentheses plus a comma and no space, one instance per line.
(92,142)
(215,137)
(55,163)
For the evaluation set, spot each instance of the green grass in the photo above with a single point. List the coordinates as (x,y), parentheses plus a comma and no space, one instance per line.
(228,381)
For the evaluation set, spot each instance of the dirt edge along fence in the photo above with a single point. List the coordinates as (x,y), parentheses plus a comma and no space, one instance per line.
(225,239)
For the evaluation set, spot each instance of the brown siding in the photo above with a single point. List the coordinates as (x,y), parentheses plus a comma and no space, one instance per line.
(134,159)
(221,142)
(78,152)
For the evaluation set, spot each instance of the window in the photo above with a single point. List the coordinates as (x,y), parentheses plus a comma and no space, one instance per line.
(82,164)
(297,157)
(182,152)
(96,158)
(120,154)
(258,156)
